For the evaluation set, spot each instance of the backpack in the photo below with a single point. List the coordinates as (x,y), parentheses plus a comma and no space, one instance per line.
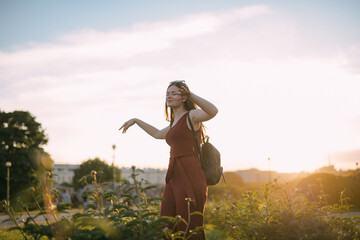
(210,159)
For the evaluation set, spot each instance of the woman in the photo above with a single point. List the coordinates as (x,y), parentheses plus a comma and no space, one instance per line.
(185,179)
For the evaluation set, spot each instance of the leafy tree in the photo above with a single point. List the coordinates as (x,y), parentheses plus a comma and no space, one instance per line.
(21,141)
(104,172)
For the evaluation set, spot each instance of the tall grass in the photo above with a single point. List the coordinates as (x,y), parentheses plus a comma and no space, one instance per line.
(275,212)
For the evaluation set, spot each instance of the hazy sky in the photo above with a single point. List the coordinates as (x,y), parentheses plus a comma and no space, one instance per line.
(285,76)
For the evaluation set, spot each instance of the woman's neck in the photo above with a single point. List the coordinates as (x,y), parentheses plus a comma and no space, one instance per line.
(179,111)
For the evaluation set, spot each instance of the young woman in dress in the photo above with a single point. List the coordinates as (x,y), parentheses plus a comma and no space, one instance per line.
(185,178)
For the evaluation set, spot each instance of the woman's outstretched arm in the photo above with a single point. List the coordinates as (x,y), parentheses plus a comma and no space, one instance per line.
(152,131)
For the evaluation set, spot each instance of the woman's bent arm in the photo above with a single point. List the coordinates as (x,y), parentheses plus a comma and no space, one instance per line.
(207,111)
(152,131)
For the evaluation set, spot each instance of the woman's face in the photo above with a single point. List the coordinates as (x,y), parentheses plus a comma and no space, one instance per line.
(173,97)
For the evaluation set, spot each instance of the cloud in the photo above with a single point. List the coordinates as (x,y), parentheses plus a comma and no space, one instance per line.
(89,45)
(88,62)
(349,58)
(89,58)
(273,99)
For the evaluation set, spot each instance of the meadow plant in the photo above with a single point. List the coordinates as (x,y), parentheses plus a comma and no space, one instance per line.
(125,212)
(276,212)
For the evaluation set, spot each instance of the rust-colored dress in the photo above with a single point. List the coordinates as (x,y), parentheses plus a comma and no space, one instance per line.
(185,177)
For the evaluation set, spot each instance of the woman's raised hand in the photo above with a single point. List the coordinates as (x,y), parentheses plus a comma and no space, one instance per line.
(127,124)
(184,91)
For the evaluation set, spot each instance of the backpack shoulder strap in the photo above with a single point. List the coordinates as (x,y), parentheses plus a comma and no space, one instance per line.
(195,138)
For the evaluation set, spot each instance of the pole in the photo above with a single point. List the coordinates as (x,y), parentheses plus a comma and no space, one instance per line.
(8,186)
(8,165)
(269,169)
(113,167)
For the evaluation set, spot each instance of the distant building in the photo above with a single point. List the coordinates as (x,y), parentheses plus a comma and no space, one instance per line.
(254,175)
(153,176)
(327,169)
(64,173)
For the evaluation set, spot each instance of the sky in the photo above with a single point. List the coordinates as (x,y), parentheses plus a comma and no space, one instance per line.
(285,76)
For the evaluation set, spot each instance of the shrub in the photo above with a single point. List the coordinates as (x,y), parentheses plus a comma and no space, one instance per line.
(127,213)
(233,187)
(327,188)
(274,212)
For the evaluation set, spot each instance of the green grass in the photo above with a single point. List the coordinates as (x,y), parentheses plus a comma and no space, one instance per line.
(211,233)
(14,235)
(214,234)
(10,235)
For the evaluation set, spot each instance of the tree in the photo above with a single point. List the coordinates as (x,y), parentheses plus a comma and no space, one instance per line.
(21,142)
(104,172)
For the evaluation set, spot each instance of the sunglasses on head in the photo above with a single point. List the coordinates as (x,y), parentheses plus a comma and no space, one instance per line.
(178,81)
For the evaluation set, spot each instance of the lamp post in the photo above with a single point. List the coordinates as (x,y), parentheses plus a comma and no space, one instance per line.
(269,169)
(8,165)
(113,167)
(93,173)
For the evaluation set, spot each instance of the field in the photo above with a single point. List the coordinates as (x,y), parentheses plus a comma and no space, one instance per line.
(235,210)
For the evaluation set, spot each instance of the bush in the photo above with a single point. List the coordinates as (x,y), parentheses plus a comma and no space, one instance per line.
(127,213)
(274,212)
(327,188)
(233,187)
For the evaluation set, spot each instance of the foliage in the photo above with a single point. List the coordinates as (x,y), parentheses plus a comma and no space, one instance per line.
(270,212)
(355,174)
(66,185)
(127,213)
(327,188)
(274,212)
(213,233)
(22,138)
(104,172)
(233,187)
(10,235)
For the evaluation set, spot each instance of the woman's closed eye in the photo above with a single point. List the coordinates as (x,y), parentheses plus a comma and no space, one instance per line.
(173,93)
